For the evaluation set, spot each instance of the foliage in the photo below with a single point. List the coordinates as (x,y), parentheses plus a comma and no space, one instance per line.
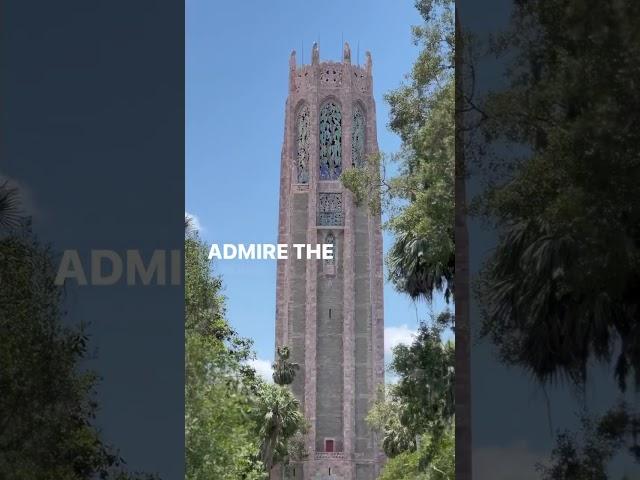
(422,259)
(278,419)
(47,405)
(362,182)
(236,425)
(427,379)
(385,417)
(219,390)
(573,459)
(420,198)
(434,459)
(563,285)
(561,291)
(416,419)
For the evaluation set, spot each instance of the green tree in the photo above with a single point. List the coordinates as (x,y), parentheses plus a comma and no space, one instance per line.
(433,459)
(420,198)
(236,425)
(220,392)
(427,379)
(279,420)
(416,418)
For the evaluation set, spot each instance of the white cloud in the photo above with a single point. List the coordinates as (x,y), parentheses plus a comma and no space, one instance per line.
(397,335)
(195,221)
(262,368)
(505,463)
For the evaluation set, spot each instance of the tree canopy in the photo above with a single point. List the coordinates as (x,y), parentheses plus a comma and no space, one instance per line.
(237,426)
(562,286)
(48,402)
(419,199)
(416,419)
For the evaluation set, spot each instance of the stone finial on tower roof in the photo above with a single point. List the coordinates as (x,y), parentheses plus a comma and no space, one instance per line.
(368,64)
(346,53)
(315,54)
(292,71)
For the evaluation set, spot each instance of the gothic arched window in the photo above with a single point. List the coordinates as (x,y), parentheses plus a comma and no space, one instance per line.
(329,266)
(302,144)
(357,137)
(330,141)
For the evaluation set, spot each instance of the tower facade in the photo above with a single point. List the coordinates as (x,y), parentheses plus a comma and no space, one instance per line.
(330,312)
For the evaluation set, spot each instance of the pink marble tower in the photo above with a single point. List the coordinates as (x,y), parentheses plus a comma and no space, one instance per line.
(330,312)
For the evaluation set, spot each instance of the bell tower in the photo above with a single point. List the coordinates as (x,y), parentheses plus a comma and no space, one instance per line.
(330,312)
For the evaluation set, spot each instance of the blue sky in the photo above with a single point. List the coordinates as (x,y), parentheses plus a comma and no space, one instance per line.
(236,85)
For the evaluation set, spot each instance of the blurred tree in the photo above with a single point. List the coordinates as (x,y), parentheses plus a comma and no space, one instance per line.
(563,285)
(47,401)
(559,145)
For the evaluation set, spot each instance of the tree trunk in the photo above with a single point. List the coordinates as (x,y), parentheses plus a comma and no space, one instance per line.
(463,354)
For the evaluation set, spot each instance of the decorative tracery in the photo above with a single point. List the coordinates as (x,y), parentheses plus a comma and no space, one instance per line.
(302,158)
(330,141)
(330,209)
(357,137)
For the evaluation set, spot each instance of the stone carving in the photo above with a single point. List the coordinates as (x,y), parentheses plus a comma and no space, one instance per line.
(331,75)
(357,137)
(360,83)
(315,54)
(330,141)
(292,71)
(302,143)
(346,53)
(330,211)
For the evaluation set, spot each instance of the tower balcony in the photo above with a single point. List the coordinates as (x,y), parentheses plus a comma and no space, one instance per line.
(330,456)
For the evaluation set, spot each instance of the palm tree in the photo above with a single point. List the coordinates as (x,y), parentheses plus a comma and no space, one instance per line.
(413,274)
(279,419)
(9,207)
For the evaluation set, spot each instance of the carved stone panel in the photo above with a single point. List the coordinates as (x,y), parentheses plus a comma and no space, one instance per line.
(330,212)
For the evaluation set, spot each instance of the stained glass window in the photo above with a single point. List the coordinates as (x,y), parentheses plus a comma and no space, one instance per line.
(330,141)
(330,209)
(357,137)
(302,157)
